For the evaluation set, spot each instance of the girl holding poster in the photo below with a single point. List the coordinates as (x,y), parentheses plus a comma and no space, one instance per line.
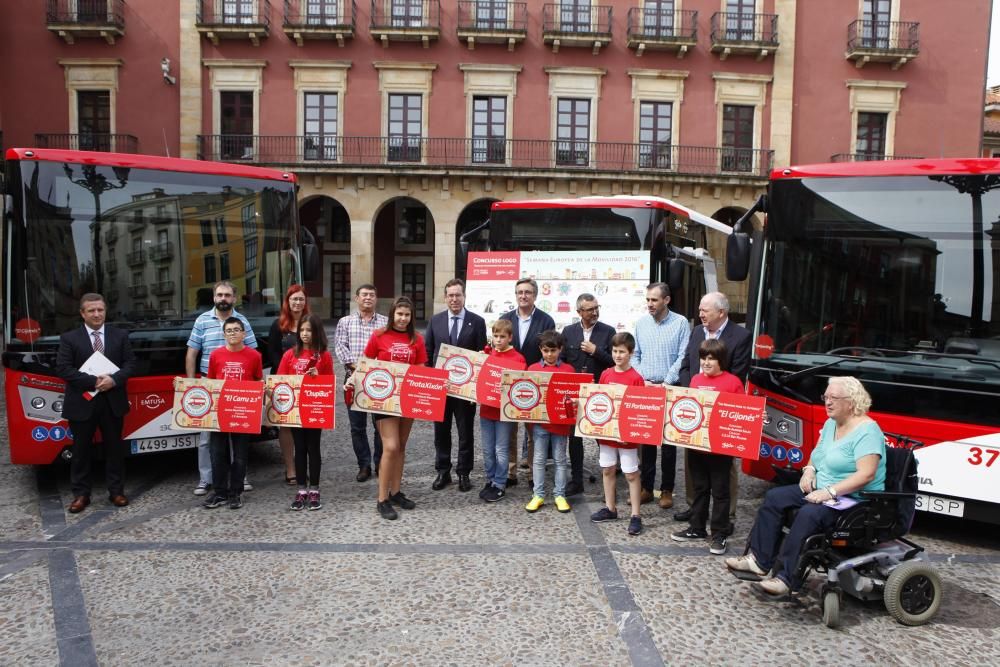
(307,357)
(399,342)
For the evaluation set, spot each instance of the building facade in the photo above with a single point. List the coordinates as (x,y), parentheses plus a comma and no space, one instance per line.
(405,119)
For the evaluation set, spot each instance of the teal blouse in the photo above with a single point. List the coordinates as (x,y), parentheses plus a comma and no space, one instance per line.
(836,460)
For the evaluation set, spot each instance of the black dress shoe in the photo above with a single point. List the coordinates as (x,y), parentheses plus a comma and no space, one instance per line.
(464,483)
(683,516)
(364,474)
(574,489)
(442,480)
(512,481)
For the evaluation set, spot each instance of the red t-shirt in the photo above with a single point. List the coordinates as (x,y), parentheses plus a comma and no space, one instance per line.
(725,381)
(488,411)
(629,378)
(555,429)
(292,365)
(243,365)
(395,346)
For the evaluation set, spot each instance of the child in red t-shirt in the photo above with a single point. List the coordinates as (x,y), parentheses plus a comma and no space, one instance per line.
(710,472)
(234,361)
(398,342)
(622,347)
(496,433)
(554,436)
(307,357)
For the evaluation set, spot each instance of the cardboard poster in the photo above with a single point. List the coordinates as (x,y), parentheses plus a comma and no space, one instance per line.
(300,401)
(240,407)
(490,375)
(400,390)
(195,401)
(721,423)
(463,368)
(621,413)
(532,396)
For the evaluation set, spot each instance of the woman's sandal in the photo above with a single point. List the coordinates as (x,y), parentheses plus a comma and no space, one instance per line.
(290,481)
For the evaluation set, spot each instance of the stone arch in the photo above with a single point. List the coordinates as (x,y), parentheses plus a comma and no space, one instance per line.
(329,223)
(737,292)
(403,253)
(472,215)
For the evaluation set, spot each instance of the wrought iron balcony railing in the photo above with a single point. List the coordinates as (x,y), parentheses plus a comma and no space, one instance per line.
(161,251)
(576,19)
(870,157)
(662,26)
(892,36)
(86,13)
(137,291)
(395,15)
(136,257)
(332,14)
(233,13)
(162,288)
(492,16)
(736,28)
(484,154)
(111,235)
(111,266)
(105,143)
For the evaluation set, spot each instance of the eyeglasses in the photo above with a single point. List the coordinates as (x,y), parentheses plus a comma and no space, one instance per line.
(524,292)
(232,332)
(298,299)
(593,309)
(826,398)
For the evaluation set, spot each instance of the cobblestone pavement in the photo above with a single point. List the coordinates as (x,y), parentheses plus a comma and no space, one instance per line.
(454,582)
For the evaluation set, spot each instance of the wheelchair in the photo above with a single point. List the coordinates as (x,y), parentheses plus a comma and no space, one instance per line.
(865,555)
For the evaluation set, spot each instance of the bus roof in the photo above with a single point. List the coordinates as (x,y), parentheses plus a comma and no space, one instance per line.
(929,167)
(149,162)
(616,201)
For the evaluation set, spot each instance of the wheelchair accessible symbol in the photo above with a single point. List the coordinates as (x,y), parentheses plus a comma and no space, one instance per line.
(778,453)
(39,434)
(794,455)
(765,450)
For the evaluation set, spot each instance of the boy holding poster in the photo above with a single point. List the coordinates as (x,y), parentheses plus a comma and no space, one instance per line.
(307,357)
(622,347)
(554,436)
(234,361)
(496,433)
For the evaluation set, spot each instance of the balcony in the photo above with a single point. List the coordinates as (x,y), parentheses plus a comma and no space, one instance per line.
(893,42)
(72,19)
(111,266)
(675,31)
(487,156)
(111,235)
(161,251)
(577,26)
(409,21)
(737,33)
(104,143)
(137,291)
(307,19)
(162,288)
(870,157)
(492,22)
(136,258)
(229,19)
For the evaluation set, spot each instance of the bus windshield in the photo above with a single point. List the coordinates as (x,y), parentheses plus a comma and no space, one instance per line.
(579,228)
(152,242)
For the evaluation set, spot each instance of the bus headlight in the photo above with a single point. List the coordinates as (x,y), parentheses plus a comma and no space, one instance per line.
(781,426)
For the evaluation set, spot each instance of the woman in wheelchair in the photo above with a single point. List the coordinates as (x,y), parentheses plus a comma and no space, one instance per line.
(849,457)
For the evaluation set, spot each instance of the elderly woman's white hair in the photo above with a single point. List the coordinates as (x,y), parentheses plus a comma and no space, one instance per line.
(861,400)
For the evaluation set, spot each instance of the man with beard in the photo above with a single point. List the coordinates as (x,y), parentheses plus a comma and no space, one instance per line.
(206,336)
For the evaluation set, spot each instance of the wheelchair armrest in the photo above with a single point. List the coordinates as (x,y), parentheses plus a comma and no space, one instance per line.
(784,476)
(888,495)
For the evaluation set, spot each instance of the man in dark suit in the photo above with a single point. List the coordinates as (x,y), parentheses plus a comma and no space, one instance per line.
(588,350)
(105,410)
(529,322)
(714,314)
(458,327)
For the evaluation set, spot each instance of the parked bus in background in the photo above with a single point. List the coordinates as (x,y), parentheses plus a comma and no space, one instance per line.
(887,271)
(152,235)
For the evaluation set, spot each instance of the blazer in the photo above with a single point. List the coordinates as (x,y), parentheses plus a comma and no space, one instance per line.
(582,362)
(540,321)
(472,335)
(75,347)
(736,339)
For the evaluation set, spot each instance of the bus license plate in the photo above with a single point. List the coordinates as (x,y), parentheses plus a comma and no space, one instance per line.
(948,506)
(147,445)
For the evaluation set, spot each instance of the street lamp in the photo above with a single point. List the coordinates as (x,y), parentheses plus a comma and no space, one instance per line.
(96,183)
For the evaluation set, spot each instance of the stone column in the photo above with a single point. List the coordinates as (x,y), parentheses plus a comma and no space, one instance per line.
(782,88)
(189,79)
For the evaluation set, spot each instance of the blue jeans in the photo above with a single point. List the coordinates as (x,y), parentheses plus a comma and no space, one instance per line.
(543,442)
(204,458)
(359,439)
(496,443)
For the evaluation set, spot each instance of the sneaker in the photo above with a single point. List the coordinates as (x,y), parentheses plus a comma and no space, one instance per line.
(236,502)
(494,495)
(774,587)
(535,504)
(213,501)
(400,501)
(603,514)
(486,488)
(562,504)
(314,503)
(634,526)
(745,563)
(717,545)
(300,501)
(688,535)
(247,486)
(202,488)
(386,511)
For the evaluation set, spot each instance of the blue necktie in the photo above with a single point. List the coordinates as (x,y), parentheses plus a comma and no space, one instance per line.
(453,336)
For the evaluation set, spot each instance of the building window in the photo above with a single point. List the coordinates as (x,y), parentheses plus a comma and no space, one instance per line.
(574,16)
(407,13)
(415,287)
(237,11)
(491,14)
(737,137)
(249,217)
(655,120)
(870,144)
(162,236)
(740,20)
(413,225)
(163,275)
(220,229)
(250,250)
(875,23)
(340,289)
(573,132)
(405,127)
(236,124)
(658,18)
(223,266)
(139,217)
(136,243)
(251,285)
(323,12)
(93,108)
(206,233)
(210,269)
(320,124)
(489,129)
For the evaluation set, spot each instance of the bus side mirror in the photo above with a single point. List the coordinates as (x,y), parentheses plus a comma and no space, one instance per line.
(675,274)
(737,256)
(310,256)
(463,247)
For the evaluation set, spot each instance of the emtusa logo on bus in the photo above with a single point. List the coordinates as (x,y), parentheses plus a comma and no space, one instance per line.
(153,401)
(27,330)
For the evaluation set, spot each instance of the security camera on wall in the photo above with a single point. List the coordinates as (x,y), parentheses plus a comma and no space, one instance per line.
(165,66)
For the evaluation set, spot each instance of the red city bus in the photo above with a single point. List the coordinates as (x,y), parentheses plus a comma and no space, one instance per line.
(887,271)
(152,235)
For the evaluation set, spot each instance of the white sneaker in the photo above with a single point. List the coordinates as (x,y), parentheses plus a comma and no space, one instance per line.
(745,564)
(247,486)
(774,586)
(201,489)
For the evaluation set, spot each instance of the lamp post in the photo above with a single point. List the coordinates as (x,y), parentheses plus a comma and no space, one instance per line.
(96,183)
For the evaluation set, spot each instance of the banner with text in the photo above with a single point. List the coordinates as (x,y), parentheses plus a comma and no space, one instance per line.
(195,404)
(241,406)
(400,390)
(463,368)
(300,401)
(539,397)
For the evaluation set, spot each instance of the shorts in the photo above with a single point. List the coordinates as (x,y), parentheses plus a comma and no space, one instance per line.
(376,417)
(610,456)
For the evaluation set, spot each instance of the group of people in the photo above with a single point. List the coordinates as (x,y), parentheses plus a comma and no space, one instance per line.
(663,351)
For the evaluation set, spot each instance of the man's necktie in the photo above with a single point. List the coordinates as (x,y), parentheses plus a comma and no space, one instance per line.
(453,336)
(98,344)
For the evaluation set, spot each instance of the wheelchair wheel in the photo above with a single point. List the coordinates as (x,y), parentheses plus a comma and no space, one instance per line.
(831,609)
(912,593)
